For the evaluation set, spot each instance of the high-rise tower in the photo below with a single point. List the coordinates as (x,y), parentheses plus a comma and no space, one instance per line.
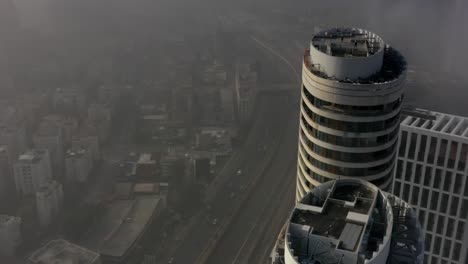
(352,89)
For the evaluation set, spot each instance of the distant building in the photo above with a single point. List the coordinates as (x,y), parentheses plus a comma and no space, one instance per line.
(10,234)
(245,85)
(7,185)
(70,100)
(146,167)
(432,175)
(49,201)
(87,139)
(78,163)
(67,126)
(350,221)
(49,136)
(100,116)
(63,252)
(351,95)
(14,137)
(31,171)
(213,138)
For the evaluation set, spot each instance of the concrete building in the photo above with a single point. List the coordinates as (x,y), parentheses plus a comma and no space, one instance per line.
(432,175)
(7,185)
(88,139)
(350,221)
(14,137)
(100,116)
(49,136)
(245,84)
(67,126)
(352,89)
(31,171)
(78,163)
(60,251)
(49,201)
(10,234)
(70,100)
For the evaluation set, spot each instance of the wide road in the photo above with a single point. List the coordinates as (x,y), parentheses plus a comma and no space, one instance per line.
(272,123)
(250,237)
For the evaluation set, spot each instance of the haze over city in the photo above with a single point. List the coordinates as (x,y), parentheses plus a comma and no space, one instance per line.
(177,131)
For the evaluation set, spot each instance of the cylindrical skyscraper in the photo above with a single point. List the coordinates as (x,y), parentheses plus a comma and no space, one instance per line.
(352,89)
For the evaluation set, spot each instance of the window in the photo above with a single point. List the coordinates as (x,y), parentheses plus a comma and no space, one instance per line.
(460,230)
(434,200)
(463,155)
(409,171)
(422,148)
(396,188)
(454,206)
(450,227)
(432,149)
(452,155)
(464,209)
(458,183)
(417,174)
(437,245)
(399,169)
(437,179)
(427,242)
(403,141)
(406,190)
(415,195)
(412,148)
(447,247)
(428,176)
(456,251)
(447,181)
(442,152)
(444,203)
(430,221)
(440,225)
(424,198)
(422,217)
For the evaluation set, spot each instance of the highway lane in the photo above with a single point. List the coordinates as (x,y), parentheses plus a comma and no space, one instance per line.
(267,206)
(252,158)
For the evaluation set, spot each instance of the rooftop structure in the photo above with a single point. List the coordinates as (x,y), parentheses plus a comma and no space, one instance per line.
(352,90)
(122,225)
(63,252)
(350,221)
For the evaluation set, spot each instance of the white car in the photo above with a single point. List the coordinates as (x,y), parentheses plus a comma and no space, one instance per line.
(239,172)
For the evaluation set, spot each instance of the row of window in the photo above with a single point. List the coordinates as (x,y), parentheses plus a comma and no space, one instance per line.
(347,171)
(348,156)
(359,127)
(354,110)
(350,141)
(423,175)
(447,150)
(442,247)
(430,200)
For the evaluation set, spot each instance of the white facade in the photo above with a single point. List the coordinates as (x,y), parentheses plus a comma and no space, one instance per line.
(10,234)
(31,171)
(349,118)
(78,164)
(49,200)
(432,175)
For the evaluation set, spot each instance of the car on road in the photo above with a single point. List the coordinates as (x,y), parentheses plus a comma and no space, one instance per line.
(215,221)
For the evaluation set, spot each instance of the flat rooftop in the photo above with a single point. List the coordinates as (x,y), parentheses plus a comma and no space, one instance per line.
(124,221)
(63,252)
(347,42)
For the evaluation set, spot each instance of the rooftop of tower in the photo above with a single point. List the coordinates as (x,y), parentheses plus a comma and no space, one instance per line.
(352,55)
(347,42)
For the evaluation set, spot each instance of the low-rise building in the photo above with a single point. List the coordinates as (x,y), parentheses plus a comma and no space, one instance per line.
(10,234)
(49,136)
(60,251)
(87,138)
(49,201)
